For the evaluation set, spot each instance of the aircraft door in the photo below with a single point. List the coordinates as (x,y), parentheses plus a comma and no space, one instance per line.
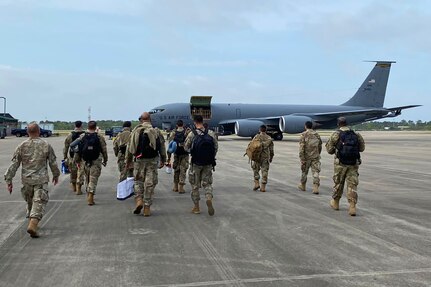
(238,113)
(201,105)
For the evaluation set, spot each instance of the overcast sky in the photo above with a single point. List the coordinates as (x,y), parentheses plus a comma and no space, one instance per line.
(58,57)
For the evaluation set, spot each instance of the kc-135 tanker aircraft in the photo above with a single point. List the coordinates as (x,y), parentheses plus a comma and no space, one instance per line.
(244,119)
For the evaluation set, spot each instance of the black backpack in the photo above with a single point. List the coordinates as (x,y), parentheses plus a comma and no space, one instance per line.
(144,149)
(123,149)
(203,149)
(348,148)
(180,138)
(90,147)
(75,135)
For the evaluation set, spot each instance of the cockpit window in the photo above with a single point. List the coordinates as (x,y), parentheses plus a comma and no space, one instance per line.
(155,111)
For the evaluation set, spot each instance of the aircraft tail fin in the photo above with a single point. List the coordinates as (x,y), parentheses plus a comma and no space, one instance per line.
(373,90)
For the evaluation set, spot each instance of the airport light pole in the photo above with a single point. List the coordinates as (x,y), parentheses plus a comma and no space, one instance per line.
(4,106)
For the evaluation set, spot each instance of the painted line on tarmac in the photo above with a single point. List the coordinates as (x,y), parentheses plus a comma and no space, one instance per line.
(298,277)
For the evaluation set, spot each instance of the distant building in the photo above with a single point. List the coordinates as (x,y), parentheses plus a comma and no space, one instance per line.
(47,125)
(7,123)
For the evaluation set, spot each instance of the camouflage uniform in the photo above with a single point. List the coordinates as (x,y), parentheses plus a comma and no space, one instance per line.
(265,157)
(310,147)
(200,176)
(120,146)
(145,169)
(76,171)
(34,154)
(181,162)
(343,173)
(92,170)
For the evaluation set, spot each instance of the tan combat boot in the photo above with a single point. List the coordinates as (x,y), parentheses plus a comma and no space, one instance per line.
(352,208)
(315,189)
(78,189)
(139,205)
(211,210)
(335,204)
(256,185)
(73,186)
(90,198)
(32,227)
(147,211)
(175,188)
(263,187)
(196,209)
(301,186)
(181,189)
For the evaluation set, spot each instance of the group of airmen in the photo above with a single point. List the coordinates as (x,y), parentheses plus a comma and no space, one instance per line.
(141,152)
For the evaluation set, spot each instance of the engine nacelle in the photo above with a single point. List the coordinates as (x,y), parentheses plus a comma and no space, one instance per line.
(247,128)
(293,124)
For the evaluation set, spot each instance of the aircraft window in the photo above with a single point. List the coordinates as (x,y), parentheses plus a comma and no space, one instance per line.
(155,111)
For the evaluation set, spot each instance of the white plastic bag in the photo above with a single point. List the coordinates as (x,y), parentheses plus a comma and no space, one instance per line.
(168,168)
(125,188)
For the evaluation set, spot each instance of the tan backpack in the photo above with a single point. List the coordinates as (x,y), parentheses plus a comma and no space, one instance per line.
(254,149)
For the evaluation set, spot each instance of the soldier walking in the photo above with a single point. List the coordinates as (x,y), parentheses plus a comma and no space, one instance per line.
(34,155)
(261,156)
(310,147)
(145,149)
(181,157)
(76,173)
(203,147)
(92,154)
(120,146)
(347,145)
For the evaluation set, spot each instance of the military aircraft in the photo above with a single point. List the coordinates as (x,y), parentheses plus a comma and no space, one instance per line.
(244,120)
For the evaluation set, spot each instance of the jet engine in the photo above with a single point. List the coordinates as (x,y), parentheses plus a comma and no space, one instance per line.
(247,128)
(293,124)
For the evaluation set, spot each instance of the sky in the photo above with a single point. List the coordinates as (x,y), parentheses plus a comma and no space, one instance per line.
(60,57)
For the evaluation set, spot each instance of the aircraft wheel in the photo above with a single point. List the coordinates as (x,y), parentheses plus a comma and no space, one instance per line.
(278,136)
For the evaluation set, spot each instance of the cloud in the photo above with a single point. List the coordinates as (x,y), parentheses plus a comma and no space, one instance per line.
(392,24)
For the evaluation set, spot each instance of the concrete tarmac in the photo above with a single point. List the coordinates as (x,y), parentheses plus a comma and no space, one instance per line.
(284,237)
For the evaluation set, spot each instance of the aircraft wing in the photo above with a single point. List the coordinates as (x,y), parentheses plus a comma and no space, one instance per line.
(397,110)
(264,120)
(384,112)
(347,113)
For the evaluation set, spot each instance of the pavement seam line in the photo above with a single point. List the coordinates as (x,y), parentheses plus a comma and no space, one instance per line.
(297,278)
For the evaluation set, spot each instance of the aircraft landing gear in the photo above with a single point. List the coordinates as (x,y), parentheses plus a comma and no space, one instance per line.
(277,136)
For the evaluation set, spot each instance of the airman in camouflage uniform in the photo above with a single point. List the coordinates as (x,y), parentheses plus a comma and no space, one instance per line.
(145,170)
(201,175)
(120,147)
(92,169)
(310,147)
(76,174)
(34,154)
(266,156)
(344,173)
(181,158)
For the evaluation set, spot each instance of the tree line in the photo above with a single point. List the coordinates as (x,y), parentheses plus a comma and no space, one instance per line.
(401,125)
